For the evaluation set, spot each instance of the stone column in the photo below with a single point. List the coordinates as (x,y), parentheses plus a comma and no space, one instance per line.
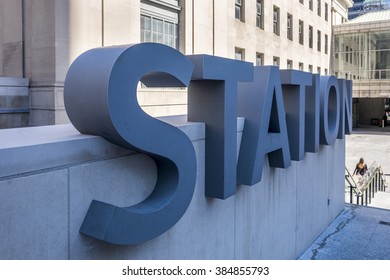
(11,38)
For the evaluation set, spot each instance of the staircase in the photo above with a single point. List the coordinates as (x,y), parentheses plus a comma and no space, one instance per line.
(369,189)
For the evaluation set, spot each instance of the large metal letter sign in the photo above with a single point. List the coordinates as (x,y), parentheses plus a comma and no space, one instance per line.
(265,131)
(212,99)
(100,98)
(287,113)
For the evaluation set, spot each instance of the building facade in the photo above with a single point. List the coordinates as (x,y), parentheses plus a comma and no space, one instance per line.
(361,7)
(362,54)
(40,39)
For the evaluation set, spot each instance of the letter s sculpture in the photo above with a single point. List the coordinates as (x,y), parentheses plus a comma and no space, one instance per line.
(101,99)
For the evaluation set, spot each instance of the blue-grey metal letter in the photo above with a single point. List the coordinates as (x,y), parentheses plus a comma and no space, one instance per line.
(312,119)
(101,99)
(346,108)
(212,99)
(330,110)
(265,130)
(294,89)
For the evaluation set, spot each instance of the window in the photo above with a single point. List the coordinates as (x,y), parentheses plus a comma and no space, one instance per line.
(326,11)
(346,53)
(318,40)
(310,68)
(289,64)
(276,61)
(289,27)
(301,66)
(239,54)
(350,55)
(301,1)
(259,14)
(318,70)
(239,14)
(259,59)
(276,20)
(310,36)
(326,43)
(311,5)
(300,30)
(326,72)
(159,31)
(319,7)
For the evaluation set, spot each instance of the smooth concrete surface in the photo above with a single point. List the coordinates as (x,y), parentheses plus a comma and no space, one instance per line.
(49,175)
(360,232)
(34,216)
(371,143)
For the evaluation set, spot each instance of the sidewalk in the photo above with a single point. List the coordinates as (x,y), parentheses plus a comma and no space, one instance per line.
(360,232)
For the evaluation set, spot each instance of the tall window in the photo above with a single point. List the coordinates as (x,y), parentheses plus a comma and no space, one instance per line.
(310,68)
(311,5)
(259,14)
(319,7)
(289,64)
(276,20)
(240,10)
(276,61)
(326,43)
(289,27)
(326,11)
(301,66)
(318,40)
(259,59)
(239,54)
(300,30)
(159,23)
(350,55)
(159,31)
(310,36)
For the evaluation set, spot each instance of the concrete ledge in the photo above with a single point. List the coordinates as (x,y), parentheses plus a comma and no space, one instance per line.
(36,148)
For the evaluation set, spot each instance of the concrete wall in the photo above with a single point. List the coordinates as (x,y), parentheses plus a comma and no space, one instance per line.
(49,175)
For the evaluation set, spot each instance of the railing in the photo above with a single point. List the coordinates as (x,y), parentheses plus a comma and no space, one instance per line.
(362,191)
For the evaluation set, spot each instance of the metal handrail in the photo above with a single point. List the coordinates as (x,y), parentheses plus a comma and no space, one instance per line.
(371,182)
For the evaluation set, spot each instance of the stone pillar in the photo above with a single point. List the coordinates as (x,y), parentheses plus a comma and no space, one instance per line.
(11,38)
(59,31)
(46,59)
